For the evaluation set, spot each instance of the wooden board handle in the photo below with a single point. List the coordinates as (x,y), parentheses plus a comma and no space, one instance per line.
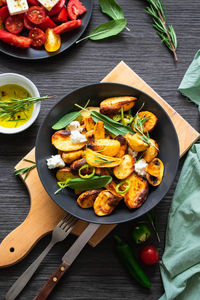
(52,281)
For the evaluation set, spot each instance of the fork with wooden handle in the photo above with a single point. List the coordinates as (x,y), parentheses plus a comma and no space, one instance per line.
(60,232)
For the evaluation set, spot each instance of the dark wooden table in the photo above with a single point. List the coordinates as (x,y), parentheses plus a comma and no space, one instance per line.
(97,273)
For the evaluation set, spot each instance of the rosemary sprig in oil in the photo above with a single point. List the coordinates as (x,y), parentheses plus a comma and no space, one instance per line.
(9,108)
(166,33)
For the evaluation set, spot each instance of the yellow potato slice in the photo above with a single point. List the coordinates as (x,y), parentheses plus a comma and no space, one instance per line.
(125,168)
(96,159)
(106,146)
(61,140)
(105,203)
(135,142)
(112,105)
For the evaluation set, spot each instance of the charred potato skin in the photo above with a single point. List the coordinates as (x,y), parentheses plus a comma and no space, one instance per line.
(89,123)
(151,152)
(64,174)
(77,164)
(111,106)
(138,192)
(61,141)
(125,168)
(155,172)
(136,143)
(69,157)
(86,199)
(106,146)
(149,125)
(111,187)
(123,145)
(105,203)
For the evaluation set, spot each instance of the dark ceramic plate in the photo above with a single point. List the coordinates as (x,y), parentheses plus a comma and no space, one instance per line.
(67,40)
(164,133)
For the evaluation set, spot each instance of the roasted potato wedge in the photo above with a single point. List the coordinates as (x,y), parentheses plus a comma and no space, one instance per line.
(123,145)
(149,124)
(89,123)
(136,143)
(106,146)
(112,105)
(96,159)
(111,187)
(64,174)
(155,171)
(77,164)
(69,157)
(86,199)
(99,130)
(125,168)
(86,114)
(61,140)
(137,194)
(105,203)
(151,152)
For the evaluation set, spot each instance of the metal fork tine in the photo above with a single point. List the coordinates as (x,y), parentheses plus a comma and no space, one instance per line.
(67,223)
(72,222)
(65,219)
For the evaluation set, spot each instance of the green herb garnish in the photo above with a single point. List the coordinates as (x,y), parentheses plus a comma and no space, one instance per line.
(68,118)
(110,28)
(166,33)
(152,221)
(85,184)
(9,108)
(25,171)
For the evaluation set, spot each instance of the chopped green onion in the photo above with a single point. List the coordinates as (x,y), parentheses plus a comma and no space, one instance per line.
(125,182)
(86,175)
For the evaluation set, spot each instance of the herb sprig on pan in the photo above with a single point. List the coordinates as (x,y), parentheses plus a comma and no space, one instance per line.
(25,171)
(166,33)
(9,108)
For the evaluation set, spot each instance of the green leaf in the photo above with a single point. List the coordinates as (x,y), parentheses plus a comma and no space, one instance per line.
(108,29)
(111,125)
(112,9)
(66,120)
(90,183)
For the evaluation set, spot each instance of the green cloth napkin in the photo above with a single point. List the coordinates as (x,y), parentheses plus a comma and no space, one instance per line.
(190,84)
(180,265)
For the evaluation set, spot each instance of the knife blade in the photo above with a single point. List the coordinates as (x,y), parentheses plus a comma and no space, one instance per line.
(67,260)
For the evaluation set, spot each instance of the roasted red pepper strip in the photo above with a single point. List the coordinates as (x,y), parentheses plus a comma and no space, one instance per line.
(68,26)
(48,23)
(15,40)
(4,13)
(75,8)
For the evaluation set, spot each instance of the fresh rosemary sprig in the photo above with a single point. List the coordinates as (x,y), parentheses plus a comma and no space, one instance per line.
(25,171)
(166,33)
(152,221)
(9,108)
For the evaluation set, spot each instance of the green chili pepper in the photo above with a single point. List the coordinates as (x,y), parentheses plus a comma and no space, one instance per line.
(128,119)
(127,184)
(126,255)
(86,175)
(117,117)
(140,233)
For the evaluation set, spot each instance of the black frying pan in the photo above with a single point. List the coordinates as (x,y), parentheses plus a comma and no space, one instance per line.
(164,133)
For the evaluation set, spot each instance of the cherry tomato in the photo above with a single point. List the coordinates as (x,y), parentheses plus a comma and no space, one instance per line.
(149,255)
(68,26)
(38,37)
(48,23)
(28,24)
(4,13)
(55,10)
(62,16)
(53,41)
(33,2)
(15,40)
(14,24)
(36,14)
(75,8)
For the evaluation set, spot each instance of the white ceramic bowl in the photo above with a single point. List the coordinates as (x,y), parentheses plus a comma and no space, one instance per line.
(13,78)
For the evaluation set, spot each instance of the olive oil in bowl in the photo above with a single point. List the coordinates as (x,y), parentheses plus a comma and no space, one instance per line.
(10,92)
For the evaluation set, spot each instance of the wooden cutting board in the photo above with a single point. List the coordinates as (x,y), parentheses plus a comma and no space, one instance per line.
(44,214)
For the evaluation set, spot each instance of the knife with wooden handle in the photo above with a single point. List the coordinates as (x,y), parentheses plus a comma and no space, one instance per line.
(67,260)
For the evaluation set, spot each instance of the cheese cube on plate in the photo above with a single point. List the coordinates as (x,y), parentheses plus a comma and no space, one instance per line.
(16,7)
(48,4)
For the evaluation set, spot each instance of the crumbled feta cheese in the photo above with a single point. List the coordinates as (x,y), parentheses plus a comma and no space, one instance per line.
(48,4)
(132,152)
(16,7)
(76,137)
(55,161)
(140,167)
(75,125)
